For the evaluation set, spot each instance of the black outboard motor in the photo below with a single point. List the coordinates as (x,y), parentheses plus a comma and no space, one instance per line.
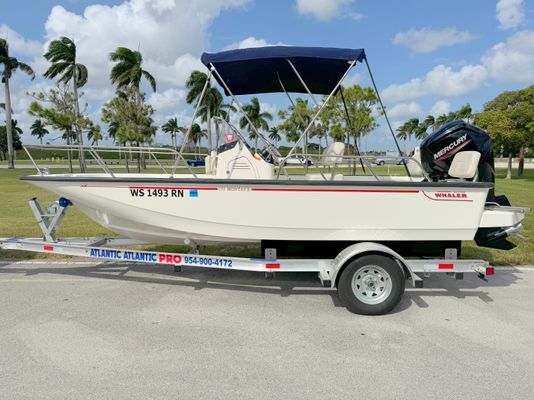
(439,148)
(437,153)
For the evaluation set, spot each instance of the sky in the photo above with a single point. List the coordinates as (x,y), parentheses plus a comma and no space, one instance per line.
(428,57)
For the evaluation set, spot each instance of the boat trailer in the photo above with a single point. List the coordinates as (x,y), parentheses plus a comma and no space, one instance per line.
(370,277)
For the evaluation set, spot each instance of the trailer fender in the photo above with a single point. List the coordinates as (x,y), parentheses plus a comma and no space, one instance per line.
(360,249)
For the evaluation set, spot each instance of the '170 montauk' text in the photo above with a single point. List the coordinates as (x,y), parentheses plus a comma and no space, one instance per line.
(147,192)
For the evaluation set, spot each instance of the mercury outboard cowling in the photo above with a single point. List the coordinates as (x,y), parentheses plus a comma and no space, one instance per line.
(439,148)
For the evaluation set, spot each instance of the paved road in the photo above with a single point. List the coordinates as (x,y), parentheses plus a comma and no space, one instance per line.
(72,331)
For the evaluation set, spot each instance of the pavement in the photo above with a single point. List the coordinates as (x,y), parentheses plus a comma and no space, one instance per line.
(73,330)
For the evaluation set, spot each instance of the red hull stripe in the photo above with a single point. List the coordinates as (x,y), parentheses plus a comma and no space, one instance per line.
(333,190)
(446,266)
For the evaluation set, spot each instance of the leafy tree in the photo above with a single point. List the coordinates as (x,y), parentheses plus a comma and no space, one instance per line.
(295,120)
(16,143)
(10,65)
(57,109)
(39,130)
(62,54)
(134,119)
(258,119)
(517,108)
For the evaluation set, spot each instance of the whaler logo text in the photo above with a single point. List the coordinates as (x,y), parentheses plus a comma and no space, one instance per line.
(462,140)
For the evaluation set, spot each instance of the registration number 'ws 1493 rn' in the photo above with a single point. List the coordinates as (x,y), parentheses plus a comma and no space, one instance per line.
(147,192)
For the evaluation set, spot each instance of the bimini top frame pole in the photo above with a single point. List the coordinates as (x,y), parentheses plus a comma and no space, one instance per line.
(292,151)
(274,151)
(199,102)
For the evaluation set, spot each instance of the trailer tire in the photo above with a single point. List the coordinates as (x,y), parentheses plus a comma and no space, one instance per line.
(371,285)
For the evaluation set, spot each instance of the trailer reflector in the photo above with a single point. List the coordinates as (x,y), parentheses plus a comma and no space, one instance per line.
(446,266)
(272,266)
(48,248)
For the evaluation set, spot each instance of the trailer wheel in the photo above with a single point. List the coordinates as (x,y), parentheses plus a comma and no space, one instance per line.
(371,285)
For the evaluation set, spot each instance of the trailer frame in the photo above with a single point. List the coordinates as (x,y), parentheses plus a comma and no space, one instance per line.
(329,271)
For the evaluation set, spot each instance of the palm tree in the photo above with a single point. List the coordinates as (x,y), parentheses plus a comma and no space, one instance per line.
(39,129)
(257,117)
(10,65)
(62,54)
(112,131)
(274,135)
(196,135)
(441,120)
(429,122)
(465,112)
(94,134)
(128,70)
(172,127)
(211,102)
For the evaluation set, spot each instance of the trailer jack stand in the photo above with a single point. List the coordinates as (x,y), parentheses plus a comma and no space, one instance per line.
(49,219)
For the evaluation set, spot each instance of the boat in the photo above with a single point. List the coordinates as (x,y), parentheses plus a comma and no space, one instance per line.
(244,196)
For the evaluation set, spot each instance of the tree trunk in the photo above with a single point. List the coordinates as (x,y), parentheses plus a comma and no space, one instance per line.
(208,127)
(79,136)
(69,154)
(9,131)
(521,166)
(509,171)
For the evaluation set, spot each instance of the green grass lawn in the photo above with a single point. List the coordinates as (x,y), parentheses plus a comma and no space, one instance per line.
(16,219)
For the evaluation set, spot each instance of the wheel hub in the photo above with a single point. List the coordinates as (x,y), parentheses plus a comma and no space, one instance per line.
(371,284)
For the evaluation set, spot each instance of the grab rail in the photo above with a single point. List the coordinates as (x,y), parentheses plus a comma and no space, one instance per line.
(95,151)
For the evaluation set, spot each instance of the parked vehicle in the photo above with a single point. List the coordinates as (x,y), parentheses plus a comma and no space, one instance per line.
(196,163)
(298,160)
(388,160)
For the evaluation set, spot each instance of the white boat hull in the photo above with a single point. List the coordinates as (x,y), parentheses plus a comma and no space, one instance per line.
(171,211)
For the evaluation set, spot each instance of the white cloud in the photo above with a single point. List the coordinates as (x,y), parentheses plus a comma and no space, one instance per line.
(427,40)
(513,60)
(170,99)
(326,10)
(405,111)
(440,81)
(510,13)
(165,31)
(440,107)
(251,42)
(18,46)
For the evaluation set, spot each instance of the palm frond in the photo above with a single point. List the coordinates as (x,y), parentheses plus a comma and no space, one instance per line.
(81,75)
(26,69)
(151,80)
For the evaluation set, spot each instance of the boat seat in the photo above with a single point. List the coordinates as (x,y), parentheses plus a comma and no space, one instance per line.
(414,165)
(464,165)
(333,154)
